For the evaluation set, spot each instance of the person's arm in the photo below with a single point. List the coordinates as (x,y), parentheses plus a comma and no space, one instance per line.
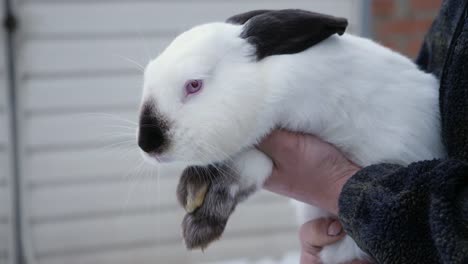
(414,214)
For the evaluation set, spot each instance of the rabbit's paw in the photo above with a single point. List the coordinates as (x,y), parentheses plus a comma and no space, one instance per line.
(209,195)
(192,187)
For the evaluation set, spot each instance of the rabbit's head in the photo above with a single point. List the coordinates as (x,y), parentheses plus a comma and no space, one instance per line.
(204,96)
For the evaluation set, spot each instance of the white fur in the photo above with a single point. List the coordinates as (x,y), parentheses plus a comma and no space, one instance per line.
(372,103)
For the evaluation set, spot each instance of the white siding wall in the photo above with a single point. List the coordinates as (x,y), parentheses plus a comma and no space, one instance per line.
(4,172)
(5,177)
(5,164)
(88,199)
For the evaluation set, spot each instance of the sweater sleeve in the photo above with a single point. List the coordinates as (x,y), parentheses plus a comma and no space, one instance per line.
(414,214)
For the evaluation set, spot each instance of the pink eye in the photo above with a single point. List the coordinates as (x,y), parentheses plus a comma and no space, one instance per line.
(193,86)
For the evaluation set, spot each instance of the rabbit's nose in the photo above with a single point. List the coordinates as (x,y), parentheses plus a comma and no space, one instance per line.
(153,128)
(150,137)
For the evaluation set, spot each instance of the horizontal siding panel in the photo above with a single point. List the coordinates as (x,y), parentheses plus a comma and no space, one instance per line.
(82,94)
(273,244)
(55,18)
(4,125)
(5,194)
(5,202)
(96,198)
(5,238)
(4,259)
(73,129)
(124,197)
(4,167)
(118,163)
(3,90)
(89,56)
(5,208)
(3,76)
(160,228)
(5,224)
(2,54)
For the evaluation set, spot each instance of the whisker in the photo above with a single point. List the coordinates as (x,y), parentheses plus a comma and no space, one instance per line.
(116,145)
(132,186)
(120,126)
(134,62)
(114,136)
(109,117)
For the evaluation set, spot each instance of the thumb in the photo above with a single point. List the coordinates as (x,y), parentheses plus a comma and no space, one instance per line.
(318,233)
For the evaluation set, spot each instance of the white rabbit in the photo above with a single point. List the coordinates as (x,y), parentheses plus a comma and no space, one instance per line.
(219,88)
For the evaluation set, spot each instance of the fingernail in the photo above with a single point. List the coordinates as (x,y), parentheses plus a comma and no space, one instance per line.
(334,228)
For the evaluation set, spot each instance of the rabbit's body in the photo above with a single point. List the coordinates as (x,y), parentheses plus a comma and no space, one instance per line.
(373,104)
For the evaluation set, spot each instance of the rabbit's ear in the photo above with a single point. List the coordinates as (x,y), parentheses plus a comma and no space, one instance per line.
(288,31)
(240,19)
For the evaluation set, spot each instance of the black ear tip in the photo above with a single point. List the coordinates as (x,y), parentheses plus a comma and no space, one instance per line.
(343,27)
(340,25)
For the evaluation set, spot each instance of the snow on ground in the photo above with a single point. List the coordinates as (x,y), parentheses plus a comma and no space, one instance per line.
(290,258)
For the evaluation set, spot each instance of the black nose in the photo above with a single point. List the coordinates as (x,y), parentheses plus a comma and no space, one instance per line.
(150,138)
(152,131)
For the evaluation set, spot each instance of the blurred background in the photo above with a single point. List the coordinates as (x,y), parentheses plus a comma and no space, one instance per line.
(73,187)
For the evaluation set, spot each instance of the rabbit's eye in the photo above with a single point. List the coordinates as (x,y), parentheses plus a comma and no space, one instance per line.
(193,86)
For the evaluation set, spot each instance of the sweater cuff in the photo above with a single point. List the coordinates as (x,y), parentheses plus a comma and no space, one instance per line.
(355,194)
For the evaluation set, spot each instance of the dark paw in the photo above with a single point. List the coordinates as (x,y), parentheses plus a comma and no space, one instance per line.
(206,194)
(192,187)
(199,230)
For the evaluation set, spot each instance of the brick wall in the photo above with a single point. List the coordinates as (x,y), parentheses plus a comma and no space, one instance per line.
(401,24)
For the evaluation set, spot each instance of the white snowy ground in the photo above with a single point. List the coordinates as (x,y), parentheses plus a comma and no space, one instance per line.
(290,258)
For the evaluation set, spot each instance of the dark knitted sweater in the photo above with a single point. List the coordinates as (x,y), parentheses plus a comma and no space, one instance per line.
(419,213)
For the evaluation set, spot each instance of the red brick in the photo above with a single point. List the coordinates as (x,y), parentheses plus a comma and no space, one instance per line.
(425,4)
(383,7)
(404,27)
(413,46)
(392,43)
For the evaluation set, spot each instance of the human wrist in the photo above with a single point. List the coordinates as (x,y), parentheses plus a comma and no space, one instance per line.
(339,179)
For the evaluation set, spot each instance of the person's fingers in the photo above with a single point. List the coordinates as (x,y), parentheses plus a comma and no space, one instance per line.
(319,233)
(307,258)
(316,234)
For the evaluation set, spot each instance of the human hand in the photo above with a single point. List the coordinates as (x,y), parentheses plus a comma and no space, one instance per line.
(316,234)
(306,169)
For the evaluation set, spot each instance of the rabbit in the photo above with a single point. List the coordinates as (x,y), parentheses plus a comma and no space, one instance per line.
(219,88)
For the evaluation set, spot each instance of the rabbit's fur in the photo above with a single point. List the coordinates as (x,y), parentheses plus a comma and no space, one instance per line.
(375,105)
